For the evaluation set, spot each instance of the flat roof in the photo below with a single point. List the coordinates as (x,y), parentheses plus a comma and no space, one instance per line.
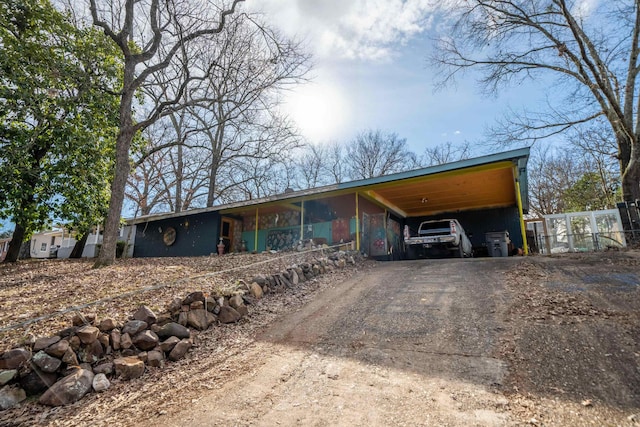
(476,183)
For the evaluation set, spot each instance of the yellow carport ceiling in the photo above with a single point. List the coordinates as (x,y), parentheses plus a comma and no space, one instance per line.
(464,189)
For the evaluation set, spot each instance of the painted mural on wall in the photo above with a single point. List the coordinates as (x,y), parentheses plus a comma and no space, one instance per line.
(340,230)
(393,236)
(272,220)
(278,240)
(237,235)
(377,235)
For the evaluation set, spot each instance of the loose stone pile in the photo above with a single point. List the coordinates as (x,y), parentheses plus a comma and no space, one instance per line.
(66,366)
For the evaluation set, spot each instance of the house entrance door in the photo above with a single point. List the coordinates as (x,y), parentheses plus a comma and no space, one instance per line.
(226,232)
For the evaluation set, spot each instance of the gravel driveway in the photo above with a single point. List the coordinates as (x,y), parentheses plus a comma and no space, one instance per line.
(447,342)
(409,343)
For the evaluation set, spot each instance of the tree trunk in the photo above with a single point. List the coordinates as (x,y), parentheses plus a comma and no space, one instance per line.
(631,182)
(15,244)
(78,248)
(107,255)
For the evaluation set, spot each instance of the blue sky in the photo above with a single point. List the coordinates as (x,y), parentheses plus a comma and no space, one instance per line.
(372,71)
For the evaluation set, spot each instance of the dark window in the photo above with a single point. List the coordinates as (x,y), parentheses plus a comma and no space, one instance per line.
(226,228)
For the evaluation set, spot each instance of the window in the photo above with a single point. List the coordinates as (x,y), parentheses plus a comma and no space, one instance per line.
(43,247)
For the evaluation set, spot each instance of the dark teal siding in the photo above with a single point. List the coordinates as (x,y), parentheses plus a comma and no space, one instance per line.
(196,235)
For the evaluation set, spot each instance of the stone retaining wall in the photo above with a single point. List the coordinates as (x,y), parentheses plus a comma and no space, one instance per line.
(80,359)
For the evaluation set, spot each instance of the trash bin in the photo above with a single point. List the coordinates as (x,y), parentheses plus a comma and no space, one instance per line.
(497,243)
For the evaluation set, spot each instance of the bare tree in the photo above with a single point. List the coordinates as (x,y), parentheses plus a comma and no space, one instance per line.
(593,54)
(445,153)
(230,117)
(153,37)
(375,153)
(551,173)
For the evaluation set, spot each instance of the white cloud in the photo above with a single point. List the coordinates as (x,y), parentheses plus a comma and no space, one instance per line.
(457,132)
(358,29)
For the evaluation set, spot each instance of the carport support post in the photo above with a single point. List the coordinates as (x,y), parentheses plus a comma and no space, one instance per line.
(357,224)
(523,229)
(302,222)
(255,241)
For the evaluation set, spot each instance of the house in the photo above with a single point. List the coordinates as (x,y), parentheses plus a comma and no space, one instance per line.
(58,243)
(485,194)
(4,247)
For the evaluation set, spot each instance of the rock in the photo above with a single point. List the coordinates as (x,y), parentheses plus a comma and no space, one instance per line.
(174,306)
(180,349)
(146,340)
(256,290)
(143,355)
(8,375)
(155,358)
(228,315)
(68,332)
(127,352)
(107,325)
(236,301)
(163,319)
(104,368)
(91,353)
(125,341)
(74,343)
(69,389)
(100,383)
(196,305)
(104,340)
(10,396)
(58,349)
(174,330)
(42,343)
(88,334)
(260,279)
(169,343)
(295,279)
(243,310)
(46,362)
(182,318)
(70,357)
(36,381)
(128,368)
(12,359)
(194,296)
(146,315)
(133,327)
(80,319)
(115,338)
(210,304)
(200,319)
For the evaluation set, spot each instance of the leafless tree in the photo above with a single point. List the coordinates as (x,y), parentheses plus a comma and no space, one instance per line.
(375,153)
(590,49)
(230,120)
(445,153)
(551,173)
(153,37)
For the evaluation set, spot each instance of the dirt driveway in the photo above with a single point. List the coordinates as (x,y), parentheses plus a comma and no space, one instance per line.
(443,342)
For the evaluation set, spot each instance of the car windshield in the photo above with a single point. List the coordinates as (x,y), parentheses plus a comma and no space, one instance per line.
(435,227)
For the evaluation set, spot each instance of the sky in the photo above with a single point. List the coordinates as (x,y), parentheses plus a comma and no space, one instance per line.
(371,71)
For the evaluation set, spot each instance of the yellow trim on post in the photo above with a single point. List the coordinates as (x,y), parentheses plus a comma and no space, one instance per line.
(357,224)
(302,221)
(523,229)
(255,244)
